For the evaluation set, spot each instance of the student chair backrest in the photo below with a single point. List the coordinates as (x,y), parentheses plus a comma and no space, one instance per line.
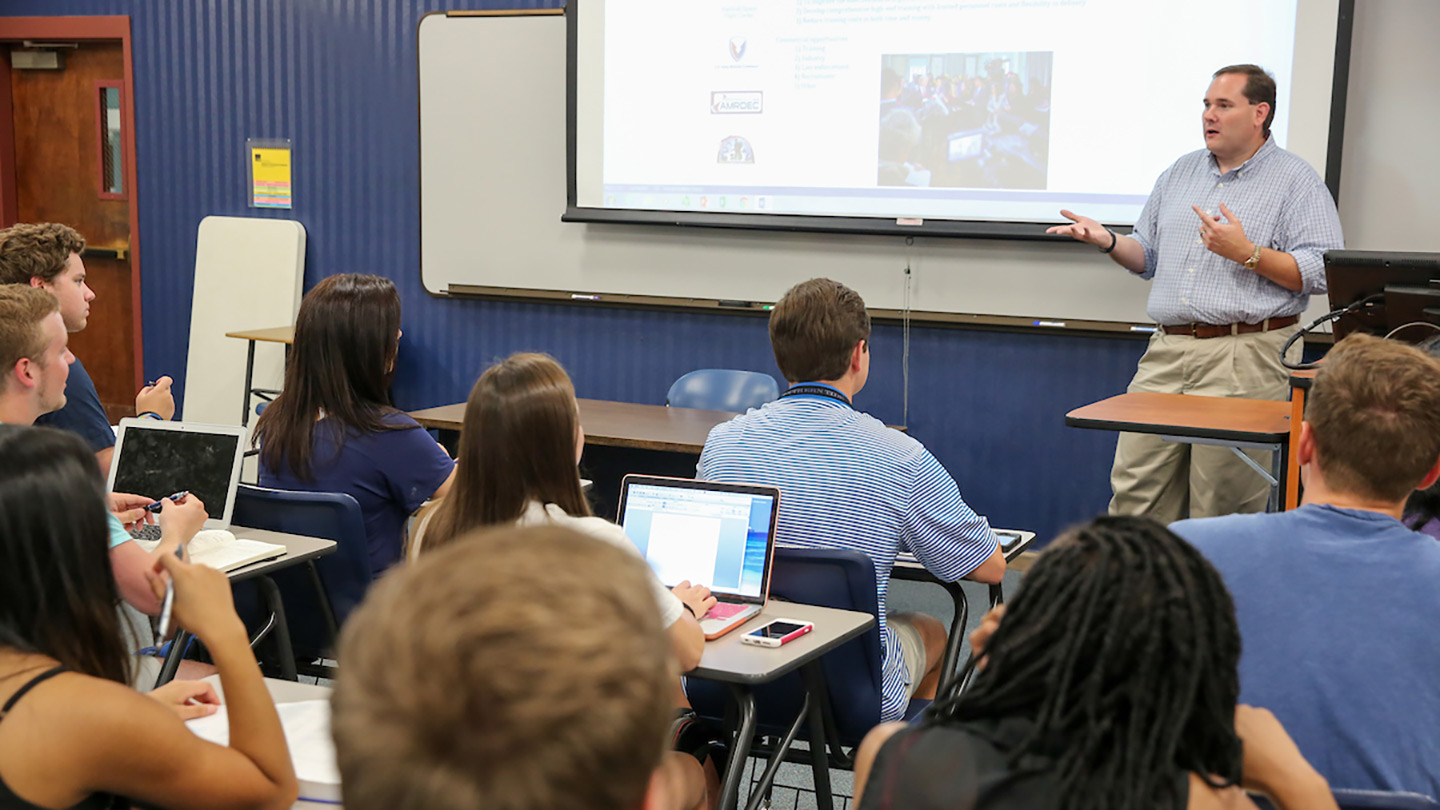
(345,573)
(722,389)
(1382,800)
(834,578)
(1369,800)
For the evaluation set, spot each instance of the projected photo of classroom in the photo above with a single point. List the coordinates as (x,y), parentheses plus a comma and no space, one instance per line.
(965,120)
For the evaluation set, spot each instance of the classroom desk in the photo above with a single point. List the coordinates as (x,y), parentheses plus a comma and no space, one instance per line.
(1300,382)
(299,550)
(743,666)
(277,334)
(615,424)
(1189,419)
(910,569)
(288,692)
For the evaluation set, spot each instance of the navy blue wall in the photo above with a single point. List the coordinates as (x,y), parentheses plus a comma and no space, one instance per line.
(339,79)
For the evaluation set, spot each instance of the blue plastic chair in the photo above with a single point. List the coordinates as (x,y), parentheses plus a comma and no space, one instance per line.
(1371,800)
(834,578)
(314,615)
(722,389)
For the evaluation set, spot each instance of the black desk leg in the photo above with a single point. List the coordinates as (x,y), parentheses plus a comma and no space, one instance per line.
(327,610)
(760,791)
(249,380)
(997,595)
(173,658)
(270,595)
(739,748)
(815,700)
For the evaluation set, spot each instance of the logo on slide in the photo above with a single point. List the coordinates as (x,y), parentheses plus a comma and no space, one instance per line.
(735,149)
(737,48)
(745,102)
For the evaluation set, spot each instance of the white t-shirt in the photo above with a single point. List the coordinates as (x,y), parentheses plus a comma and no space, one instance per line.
(538,514)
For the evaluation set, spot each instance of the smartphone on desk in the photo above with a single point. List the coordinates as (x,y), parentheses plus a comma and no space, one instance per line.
(777,633)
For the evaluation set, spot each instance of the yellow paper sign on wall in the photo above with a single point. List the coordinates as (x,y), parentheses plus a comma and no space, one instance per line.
(270,176)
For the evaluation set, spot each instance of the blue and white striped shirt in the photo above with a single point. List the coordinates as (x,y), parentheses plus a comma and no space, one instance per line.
(1281,203)
(847,481)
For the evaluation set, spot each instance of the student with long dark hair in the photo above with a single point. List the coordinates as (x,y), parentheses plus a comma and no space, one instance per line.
(72,732)
(1110,683)
(333,428)
(520,446)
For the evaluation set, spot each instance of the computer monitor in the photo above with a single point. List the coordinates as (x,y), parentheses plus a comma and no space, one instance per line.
(1404,289)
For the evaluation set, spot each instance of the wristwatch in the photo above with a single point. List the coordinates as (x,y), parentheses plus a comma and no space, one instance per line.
(1254,260)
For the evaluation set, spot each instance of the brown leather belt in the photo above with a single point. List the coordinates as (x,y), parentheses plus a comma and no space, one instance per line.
(1212,330)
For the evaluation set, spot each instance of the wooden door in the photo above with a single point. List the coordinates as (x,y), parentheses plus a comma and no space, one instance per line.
(60,122)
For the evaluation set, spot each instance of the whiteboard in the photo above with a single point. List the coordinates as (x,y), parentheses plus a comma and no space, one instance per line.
(493,188)
(248,273)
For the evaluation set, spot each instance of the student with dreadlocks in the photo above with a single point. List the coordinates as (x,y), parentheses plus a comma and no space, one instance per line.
(1110,684)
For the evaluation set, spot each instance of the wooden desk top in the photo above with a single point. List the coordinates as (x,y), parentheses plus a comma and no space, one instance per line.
(276,334)
(616,424)
(1222,418)
(1303,379)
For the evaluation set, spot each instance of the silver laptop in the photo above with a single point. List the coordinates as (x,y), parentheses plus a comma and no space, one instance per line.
(718,535)
(157,459)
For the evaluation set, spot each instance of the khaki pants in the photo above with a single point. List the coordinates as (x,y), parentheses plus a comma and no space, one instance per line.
(1170,481)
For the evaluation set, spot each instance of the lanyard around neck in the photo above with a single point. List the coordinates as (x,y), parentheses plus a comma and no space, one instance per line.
(813,390)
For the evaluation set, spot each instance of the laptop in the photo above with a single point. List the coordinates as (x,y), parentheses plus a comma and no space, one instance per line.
(157,459)
(718,535)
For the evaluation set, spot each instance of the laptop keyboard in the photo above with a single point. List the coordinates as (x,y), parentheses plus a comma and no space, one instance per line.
(149,532)
(724,610)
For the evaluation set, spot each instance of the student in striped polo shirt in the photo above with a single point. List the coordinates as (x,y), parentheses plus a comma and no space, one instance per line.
(848,481)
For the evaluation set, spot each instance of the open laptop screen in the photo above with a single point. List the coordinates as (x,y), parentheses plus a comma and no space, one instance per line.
(157,463)
(713,537)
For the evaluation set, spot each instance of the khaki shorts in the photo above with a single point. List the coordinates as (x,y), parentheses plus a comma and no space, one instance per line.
(912,646)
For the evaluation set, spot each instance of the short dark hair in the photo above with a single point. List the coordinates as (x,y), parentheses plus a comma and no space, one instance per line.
(1259,87)
(814,327)
(36,251)
(518,668)
(1374,410)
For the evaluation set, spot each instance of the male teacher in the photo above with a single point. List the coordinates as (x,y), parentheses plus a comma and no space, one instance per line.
(1233,236)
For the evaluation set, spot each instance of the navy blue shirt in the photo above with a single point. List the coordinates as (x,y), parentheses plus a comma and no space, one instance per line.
(390,472)
(83,413)
(1337,611)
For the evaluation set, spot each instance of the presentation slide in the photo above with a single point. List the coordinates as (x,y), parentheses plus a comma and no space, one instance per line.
(942,109)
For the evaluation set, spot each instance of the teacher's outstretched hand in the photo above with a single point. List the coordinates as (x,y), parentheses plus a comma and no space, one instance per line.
(1126,252)
(1083,229)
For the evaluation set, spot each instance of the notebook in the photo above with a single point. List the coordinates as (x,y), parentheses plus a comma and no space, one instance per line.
(307,734)
(718,535)
(157,459)
(222,550)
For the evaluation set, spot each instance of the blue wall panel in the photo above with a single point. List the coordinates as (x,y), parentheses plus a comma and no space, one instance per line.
(339,79)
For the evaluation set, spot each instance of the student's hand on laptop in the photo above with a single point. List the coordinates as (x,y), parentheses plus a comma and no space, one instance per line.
(130,509)
(182,519)
(696,596)
(156,398)
(980,636)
